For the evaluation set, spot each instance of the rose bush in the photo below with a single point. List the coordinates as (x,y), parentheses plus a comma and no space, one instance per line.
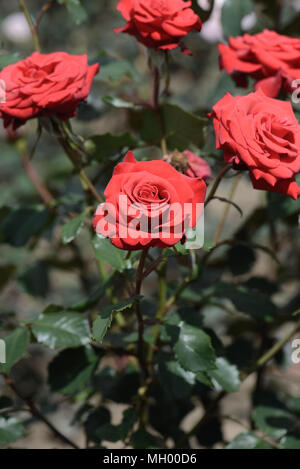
(159,24)
(45,85)
(164,201)
(272,59)
(263,135)
(148,334)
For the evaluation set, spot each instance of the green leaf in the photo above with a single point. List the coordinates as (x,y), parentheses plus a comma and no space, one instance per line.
(70,371)
(16,344)
(256,305)
(107,252)
(93,299)
(233,11)
(280,206)
(208,245)
(103,321)
(247,440)
(226,375)
(72,228)
(181,128)
(114,101)
(203,13)
(273,422)
(193,349)
(116,70)
(5,402)
(9,59)
(97,424)
(106,145)
(128,421)
(291,441)
(6,273)
(204,379)
(35,279)
(241,259)
(142,439)
(174,378)
(61,329)
(76,10)
(23,223)
(10,430)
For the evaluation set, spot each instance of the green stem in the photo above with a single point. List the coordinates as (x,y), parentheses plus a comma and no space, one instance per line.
(35,412)
(139,281)
(75,158)
(215,186)
(162,298)
(275,349)
(109,293)
(32,27)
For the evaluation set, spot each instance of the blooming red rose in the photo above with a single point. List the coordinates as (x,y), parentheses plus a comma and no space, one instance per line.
(263,135)
(159,24)
(148,203)
(45,85)
(188,163)
(272,59)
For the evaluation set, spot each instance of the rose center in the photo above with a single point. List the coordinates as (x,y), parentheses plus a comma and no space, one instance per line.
(148,193)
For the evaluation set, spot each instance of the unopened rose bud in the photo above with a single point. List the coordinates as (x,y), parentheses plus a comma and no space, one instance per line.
(189,164)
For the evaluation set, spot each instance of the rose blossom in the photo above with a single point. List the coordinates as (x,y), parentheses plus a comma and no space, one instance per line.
(262,135)
(188,163)
(148,203)
(272,59)
(159,24)
(45,85)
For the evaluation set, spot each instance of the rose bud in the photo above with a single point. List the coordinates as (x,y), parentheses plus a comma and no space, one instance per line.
(189,164)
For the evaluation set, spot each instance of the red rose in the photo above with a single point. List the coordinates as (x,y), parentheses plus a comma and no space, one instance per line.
(159,24)
(272,59)
(45,85)
(263,135)
(148,203)
(190,164)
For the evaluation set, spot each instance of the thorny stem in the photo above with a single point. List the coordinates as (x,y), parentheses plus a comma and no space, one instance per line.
(219,178)
(44,10)
(139,280)
(33,28)
(75,158)
(260,363)
(156,107)
(162,297)
(37,414)
(227,207)
(42,190)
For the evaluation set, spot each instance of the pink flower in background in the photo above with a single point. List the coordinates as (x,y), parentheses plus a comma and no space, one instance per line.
(189,164)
